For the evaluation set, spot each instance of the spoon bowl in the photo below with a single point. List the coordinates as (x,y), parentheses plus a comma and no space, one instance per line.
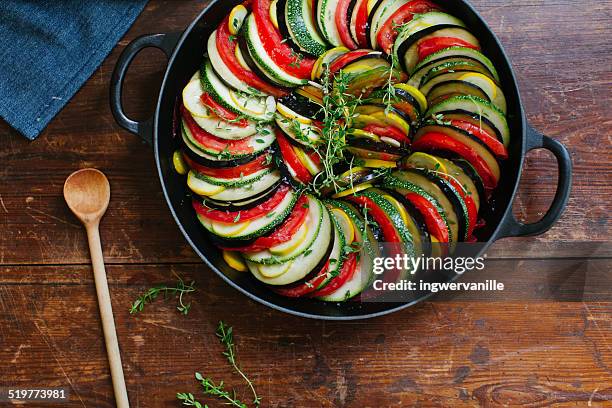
(87,193)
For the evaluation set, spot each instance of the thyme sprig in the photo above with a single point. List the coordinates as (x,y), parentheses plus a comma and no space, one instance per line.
(180,289)
(339,109)
(189,400)
(217,390)
(389,96)
(226,337)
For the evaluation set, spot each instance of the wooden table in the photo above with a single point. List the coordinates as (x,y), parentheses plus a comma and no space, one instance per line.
(451,353)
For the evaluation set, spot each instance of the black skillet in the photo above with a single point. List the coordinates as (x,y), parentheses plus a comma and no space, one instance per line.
(185,50)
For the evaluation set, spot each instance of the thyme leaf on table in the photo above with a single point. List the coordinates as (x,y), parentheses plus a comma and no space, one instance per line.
(180,289)
(226,337)
(189,400)
(217,390)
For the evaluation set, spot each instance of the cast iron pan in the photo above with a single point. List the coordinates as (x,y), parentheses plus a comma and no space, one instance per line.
(185,51)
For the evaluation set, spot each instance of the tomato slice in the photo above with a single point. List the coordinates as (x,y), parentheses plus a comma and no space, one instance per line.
(492,142)
(222,112)
(289,156)
(283,233)
(433,220)
(314,156)
(388,131)
(342,24)
(213,142)
(469,204)
(281,53)
(226,46)
(379,216)
(245,215)
(438,141)
(388,32)
(345,274)
(431,45)
(304,288)
(346,59)
(392,238)
(361,24)
(260,163)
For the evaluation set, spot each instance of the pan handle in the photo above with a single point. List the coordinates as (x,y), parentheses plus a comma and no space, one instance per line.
(510,227)
(166,43)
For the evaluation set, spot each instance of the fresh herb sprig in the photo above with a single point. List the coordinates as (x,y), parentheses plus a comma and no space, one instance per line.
(217,390)
(339,108)
(189,400)
(389,96)
(180,289)
(226,337)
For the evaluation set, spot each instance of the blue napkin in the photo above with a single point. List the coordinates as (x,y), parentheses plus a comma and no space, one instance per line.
(49,49)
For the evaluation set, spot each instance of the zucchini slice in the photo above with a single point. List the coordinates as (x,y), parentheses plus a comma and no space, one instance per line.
(475,106)
(301,26)
(303,265)
(326,21)
(255,108)
(410,181)
(234,182)
(231,194)
(456,52)
(225,130)
(251,229)
(261,58)
(424,26)
(312,226)
(223,71)
(304,134)
(385,9)
(257,142)
(363,274)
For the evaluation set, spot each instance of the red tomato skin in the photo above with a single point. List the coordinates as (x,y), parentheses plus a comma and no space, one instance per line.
(284,233)
(434,222)
(361,21)
(277,49)
(435,44)
(221,111)
(305,288)
(343,25)
(346,273)
(260,163)
(388,33)
(492,142)
(289,156)
(434,140)
(246,215)
(226,46)
(213,142)
(388,131)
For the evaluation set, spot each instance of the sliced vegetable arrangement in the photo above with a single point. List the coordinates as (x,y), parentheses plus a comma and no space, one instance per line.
(316,130)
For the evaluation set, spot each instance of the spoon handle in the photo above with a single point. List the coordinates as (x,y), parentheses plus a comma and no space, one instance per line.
(106,312)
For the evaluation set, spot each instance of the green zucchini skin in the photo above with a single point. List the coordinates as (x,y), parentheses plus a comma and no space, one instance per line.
(247,239)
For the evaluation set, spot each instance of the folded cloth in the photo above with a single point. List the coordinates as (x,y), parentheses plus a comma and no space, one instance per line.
(51,47)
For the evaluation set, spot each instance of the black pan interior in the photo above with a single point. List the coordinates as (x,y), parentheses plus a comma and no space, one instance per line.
(186,60)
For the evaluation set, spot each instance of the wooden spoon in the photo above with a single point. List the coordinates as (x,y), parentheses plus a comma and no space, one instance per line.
(87,193)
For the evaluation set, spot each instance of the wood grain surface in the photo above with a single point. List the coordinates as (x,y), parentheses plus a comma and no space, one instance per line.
(509,352)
